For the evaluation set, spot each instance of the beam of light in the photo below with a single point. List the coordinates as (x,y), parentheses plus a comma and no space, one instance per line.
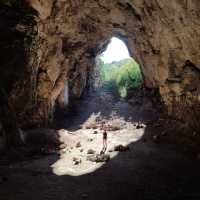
(115,51)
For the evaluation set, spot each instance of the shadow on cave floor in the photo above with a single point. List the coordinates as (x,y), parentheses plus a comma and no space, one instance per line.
(149,170)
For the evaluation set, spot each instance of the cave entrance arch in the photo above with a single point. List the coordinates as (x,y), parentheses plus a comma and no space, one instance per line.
(116,71)
(123,78)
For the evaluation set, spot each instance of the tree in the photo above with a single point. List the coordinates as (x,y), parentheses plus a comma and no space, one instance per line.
(123,75)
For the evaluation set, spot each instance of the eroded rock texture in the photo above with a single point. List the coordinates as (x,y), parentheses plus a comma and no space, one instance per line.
(48,48)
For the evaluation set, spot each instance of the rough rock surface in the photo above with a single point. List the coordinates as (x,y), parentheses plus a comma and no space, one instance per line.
(48,50)
(99,158)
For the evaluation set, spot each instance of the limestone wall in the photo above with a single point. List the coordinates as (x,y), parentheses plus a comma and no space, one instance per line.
(62,38)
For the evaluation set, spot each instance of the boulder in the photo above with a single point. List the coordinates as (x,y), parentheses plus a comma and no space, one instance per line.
(91,151)
(121,148)
(99,158)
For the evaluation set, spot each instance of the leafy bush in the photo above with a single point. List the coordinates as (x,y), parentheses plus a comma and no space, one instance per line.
(122,76)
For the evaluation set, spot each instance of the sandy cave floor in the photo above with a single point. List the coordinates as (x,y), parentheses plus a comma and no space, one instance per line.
(147,171)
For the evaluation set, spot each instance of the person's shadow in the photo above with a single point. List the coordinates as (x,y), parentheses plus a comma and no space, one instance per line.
(103,150)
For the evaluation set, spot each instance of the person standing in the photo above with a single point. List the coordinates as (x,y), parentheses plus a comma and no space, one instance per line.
(105,136)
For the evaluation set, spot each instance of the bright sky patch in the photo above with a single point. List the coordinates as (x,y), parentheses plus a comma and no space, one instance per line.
(115,51)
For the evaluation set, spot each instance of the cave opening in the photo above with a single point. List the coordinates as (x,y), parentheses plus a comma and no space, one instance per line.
(114,77)
(118,72)
(105,107)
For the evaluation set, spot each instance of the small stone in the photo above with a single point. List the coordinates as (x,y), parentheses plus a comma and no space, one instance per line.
(95,132)
(91,151)
(90,139)
(62,151)
(81,150)
(87,127)
(76,161)
(62,146)
(91,158)
(78,145)
(139,126)
(103,158)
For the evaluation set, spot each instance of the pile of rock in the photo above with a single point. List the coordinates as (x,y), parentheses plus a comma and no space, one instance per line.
(139,125)
(99,158)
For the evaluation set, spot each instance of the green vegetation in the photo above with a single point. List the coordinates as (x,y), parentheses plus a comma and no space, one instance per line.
(120,76)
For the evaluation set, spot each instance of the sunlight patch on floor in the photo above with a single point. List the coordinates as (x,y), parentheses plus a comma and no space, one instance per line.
(88,140)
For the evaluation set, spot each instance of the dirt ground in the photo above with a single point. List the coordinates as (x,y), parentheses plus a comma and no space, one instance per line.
(148,170)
